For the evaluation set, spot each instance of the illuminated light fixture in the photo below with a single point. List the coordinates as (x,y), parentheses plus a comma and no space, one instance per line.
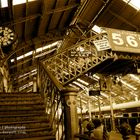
(20,57)
(100,97)
(74,86)
(83,82)
(134,77)
(4,3)
(82,100)
(28,54)
(12,60)
(96,28)
(122,98)
(80,85)
(128,85)
(134,3)
(133,94)
(113,93)
(38,50)
(103,94)
(94,97)
(26,86)
(96,77)
(33,71)
(45,53)
(51,45)
(136,98)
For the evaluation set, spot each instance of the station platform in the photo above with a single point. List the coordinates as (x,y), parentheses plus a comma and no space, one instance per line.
(113,135)
(117,136)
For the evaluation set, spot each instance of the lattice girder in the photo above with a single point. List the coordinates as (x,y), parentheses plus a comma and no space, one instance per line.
(77,60)
(82,57)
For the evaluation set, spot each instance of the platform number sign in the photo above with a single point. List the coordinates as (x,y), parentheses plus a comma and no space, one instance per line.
(105,84)
(124,41)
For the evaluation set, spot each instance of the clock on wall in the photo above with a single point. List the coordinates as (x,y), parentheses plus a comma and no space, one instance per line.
(8,39)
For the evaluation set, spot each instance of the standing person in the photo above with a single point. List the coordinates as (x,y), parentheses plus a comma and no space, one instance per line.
(80,126)
(137,131)
(90,127)
(84,125)
(125,130)
(98,131)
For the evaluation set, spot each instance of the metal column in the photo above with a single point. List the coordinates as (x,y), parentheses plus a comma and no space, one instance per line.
(70,114)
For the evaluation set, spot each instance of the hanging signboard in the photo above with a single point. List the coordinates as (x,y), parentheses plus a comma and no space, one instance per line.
(94,92)
(105,84)
(124,41)
(101,44)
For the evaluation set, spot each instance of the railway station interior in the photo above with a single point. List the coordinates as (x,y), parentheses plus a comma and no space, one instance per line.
(66,63)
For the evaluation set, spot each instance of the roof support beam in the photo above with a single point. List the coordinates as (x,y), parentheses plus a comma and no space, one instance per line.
(21,20)
(25,25)
(99,13)
(10,9)
(42,25)
(43,21)
(24,19)
(123,19)
(52,36)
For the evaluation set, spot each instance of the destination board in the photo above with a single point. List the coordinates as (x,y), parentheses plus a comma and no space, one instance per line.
(124,41)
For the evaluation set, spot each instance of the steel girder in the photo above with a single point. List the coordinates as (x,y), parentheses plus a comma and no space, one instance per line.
(73,62)
(79,59)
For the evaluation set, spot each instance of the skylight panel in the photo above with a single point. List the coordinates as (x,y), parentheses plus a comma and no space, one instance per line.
(20,57)
(16,2)
(39,50)
(29,53)
(4,3)
(134,3)
(83,82)
(50,45)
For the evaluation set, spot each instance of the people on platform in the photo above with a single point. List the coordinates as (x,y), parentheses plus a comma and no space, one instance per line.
(137,131)
(90,127)
(80,126)
(99,132)
(84,125)
(125,130)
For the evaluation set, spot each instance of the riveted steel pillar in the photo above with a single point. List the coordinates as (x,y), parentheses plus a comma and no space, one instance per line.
(70,114)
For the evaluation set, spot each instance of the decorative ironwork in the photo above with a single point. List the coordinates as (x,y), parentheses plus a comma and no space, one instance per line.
(79,59)
(53,101)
